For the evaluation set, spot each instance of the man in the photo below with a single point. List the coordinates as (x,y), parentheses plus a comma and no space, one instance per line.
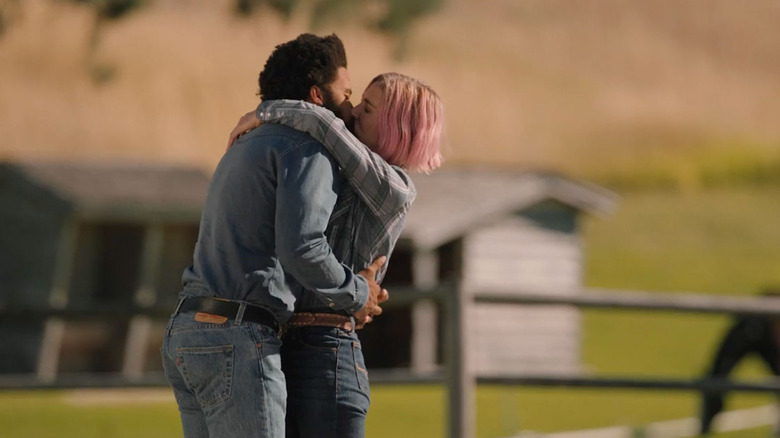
(327,380)
(262,235)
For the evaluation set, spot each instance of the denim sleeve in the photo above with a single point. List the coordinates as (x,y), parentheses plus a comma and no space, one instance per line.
(305,196)
(385,188)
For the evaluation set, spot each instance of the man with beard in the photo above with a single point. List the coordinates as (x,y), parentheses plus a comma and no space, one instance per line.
(261,241)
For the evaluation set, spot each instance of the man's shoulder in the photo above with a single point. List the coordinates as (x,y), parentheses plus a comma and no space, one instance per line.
(276,143)
(273,134)
(288,142)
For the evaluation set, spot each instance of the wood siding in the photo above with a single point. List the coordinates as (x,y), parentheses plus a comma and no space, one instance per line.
(536,250)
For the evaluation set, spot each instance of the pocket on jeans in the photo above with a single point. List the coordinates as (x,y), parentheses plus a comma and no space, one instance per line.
(317,338)
(207,372)
(361,373)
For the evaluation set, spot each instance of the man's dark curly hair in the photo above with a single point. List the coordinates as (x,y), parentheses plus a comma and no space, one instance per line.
(296,65)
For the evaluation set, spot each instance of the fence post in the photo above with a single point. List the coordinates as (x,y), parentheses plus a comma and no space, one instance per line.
(425,315)
(461,380)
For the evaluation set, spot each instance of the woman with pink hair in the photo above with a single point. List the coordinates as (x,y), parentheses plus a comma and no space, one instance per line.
(397,128)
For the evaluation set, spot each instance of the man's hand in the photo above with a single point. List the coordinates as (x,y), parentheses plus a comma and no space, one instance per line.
(376,294)
(247,122)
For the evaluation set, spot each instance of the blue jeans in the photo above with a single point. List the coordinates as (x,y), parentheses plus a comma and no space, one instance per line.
(227,378)
(327,383)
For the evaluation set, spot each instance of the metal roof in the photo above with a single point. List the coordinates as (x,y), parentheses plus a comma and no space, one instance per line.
(120,192)
(450,202)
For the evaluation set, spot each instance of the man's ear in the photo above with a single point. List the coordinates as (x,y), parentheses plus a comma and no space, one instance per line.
(315,95)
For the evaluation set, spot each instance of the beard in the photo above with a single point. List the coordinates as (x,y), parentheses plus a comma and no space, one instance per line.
(330,103)
(343,111)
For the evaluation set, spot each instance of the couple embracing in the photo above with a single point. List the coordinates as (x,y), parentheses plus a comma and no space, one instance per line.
(302,214)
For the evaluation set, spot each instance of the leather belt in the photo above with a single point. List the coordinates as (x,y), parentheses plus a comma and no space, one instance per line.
(309,319)
(230,309)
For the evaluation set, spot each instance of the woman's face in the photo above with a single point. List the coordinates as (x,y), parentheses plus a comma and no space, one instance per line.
(366,116)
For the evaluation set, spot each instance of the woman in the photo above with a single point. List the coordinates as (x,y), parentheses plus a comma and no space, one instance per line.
(398,126)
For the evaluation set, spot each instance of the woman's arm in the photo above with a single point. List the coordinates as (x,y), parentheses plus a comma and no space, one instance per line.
(386,189)
(246,123)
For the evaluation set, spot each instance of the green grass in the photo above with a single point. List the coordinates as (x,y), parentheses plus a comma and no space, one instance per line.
(720,241)
(396,411)
(687,163)
(504,411)
(54,414)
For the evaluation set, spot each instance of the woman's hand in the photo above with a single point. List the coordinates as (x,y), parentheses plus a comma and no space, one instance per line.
(247,122)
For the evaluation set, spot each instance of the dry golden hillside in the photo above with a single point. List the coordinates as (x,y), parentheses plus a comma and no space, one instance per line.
(574,85)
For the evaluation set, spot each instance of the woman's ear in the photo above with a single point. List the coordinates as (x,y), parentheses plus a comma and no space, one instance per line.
(315,95)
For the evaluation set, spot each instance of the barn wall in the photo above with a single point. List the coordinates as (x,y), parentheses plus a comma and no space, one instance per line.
(109,270)
(536,250)
(387,341)
(30,223)
(91,245)
(31,220)
(178,247)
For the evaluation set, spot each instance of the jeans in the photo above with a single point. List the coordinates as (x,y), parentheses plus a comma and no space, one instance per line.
(227,378)
(327,383)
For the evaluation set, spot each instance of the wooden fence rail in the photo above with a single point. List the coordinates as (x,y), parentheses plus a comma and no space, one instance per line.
(459,378)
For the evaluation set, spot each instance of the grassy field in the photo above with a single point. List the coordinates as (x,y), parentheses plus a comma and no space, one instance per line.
(396,411)
(718,241)
(576,86)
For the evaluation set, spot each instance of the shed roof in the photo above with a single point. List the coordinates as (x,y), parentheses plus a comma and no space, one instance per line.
(120,192)
(452,201)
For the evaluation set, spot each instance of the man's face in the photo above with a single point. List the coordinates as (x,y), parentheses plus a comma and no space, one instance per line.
(336,95)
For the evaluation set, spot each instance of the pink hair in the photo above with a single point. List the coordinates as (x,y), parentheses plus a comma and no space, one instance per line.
(411,121)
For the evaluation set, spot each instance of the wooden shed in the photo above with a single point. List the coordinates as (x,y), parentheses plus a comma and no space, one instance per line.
(497,232)
(91,238)
(96,238)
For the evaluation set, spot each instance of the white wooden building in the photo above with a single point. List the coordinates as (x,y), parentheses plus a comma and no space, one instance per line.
(497,232)
(89,237)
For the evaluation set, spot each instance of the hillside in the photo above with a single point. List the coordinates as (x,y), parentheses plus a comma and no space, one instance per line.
(585,87)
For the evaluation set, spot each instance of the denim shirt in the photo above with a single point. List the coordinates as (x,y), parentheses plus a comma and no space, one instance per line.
(263,225)
(370,213)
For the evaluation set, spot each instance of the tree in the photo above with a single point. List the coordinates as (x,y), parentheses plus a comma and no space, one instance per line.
(111,9)
(104,11)
(395,19)
(392,17)
(8,10)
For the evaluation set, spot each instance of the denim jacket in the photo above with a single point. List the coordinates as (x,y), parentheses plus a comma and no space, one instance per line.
(262,230)
(371,209)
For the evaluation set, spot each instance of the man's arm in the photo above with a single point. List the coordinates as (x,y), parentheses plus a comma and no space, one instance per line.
(305,197)
(376,294)
(386,189)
